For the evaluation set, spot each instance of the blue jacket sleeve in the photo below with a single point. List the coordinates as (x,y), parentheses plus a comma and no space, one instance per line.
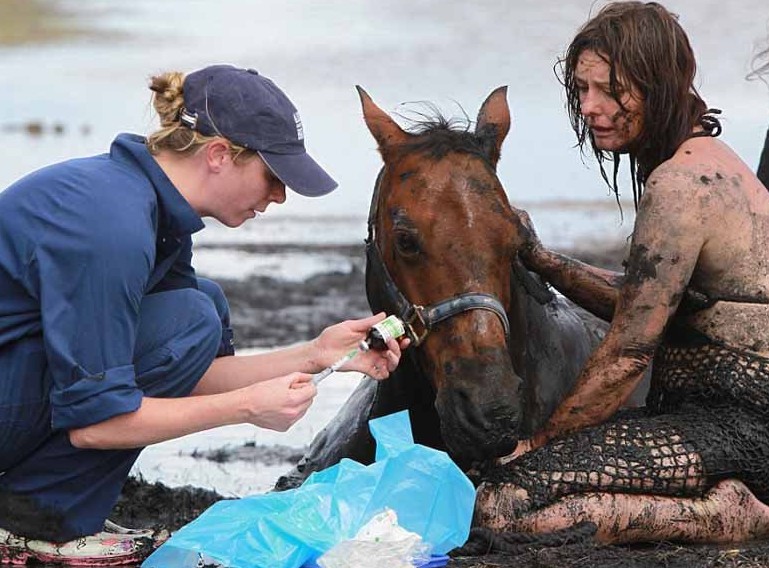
(92,271)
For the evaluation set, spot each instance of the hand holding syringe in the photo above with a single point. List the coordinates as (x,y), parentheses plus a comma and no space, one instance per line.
(390,327)
(318,377)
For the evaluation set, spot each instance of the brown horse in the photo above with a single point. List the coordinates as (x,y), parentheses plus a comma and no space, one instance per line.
(493,349)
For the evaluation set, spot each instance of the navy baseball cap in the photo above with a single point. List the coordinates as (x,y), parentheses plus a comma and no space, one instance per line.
(248,109)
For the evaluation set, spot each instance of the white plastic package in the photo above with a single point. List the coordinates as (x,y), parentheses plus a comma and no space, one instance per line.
(380,542)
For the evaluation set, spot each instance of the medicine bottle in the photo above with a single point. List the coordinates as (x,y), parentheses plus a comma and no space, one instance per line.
(390,327)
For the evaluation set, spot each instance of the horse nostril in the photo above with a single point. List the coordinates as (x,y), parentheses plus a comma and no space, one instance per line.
(477,424)
(471,415)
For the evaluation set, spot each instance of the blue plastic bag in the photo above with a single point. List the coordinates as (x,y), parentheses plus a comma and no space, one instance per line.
(428,492)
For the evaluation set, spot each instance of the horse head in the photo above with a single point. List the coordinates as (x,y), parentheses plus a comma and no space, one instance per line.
(440,248)
(442,254)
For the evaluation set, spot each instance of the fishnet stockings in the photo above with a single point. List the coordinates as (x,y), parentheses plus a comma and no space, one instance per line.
(706,420)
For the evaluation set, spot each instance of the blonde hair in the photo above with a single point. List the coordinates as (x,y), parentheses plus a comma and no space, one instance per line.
(173,135)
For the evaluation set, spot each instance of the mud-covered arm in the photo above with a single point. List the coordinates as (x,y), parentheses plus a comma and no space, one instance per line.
(668,237)
(594,289)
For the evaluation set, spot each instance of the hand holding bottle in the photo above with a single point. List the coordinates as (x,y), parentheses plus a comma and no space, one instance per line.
(368,345)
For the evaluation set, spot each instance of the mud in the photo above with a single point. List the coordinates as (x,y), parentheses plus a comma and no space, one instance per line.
(157,506)
(267,311)
(253,453)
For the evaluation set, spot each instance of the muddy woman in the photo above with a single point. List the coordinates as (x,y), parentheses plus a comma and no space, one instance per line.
(693,303)
(109,341)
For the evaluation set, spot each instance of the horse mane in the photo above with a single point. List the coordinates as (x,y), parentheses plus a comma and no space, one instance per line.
(436,136)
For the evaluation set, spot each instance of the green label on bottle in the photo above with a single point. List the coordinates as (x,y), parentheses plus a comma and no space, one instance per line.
(390,327)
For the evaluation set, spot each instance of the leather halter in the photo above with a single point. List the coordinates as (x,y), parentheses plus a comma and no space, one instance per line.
(420,320)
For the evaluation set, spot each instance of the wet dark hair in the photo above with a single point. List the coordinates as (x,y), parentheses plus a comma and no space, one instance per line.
(645,48)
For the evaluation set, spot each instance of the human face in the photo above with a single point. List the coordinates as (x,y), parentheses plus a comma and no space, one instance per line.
(248,188)
(612,127)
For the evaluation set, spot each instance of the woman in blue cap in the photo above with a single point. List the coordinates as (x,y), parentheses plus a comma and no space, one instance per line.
(109,341)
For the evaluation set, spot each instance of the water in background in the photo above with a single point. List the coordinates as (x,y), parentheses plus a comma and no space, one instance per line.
(448,52)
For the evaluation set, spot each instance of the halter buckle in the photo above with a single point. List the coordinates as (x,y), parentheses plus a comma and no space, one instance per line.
(415,315)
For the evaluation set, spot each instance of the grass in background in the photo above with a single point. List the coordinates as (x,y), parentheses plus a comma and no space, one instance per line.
(35,21)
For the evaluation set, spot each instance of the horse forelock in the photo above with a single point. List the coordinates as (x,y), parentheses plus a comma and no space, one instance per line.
(438,136)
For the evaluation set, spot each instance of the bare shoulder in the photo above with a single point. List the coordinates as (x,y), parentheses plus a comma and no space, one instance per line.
(704,172)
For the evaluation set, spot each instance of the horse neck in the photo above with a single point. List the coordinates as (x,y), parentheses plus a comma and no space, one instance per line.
(524,313)
(549,343)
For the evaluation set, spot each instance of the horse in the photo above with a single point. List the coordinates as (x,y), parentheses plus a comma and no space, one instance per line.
(493,349)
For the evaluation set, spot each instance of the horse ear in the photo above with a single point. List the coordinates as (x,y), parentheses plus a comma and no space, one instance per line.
(493,123)
(384,129)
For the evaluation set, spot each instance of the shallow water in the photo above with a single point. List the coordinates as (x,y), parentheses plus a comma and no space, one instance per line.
(451,53)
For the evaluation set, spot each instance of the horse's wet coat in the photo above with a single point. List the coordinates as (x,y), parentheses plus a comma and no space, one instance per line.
(444,227)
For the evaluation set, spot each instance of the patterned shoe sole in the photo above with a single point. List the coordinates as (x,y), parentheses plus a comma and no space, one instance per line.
(13,556)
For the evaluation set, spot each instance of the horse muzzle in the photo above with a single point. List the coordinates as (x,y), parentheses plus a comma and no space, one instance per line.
(480,406)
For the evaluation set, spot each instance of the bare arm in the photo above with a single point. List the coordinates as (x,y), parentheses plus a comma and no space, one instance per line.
(230,373)
(667,240)
(275,404)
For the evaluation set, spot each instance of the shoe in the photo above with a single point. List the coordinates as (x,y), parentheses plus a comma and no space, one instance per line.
(159,536)
(115,528)
(114,546)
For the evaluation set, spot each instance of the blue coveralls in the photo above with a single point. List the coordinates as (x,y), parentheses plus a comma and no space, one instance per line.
(99,306)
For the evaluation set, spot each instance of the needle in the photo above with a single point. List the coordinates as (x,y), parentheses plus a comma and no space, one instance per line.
(318,377)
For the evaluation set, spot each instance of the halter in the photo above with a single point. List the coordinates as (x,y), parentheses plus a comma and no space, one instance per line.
(420,320)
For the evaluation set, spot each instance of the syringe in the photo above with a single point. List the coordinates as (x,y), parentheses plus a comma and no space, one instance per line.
(318,377)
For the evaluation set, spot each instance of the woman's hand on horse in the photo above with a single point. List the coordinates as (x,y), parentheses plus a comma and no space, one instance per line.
(523,447)
(526,239)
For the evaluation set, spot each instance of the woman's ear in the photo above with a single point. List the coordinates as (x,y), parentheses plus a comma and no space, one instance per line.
(217,154)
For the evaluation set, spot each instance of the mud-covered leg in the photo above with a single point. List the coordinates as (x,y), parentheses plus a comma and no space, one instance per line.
(638,479)
(729,512)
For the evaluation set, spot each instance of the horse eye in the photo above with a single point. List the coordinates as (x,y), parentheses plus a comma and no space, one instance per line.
(407,243)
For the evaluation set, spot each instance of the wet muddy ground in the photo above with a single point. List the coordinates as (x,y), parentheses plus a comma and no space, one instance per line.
(155,505)
(268,311)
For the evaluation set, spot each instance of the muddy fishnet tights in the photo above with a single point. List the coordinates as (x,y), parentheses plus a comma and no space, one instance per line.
(635,455)
(711,375)
(707,421)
